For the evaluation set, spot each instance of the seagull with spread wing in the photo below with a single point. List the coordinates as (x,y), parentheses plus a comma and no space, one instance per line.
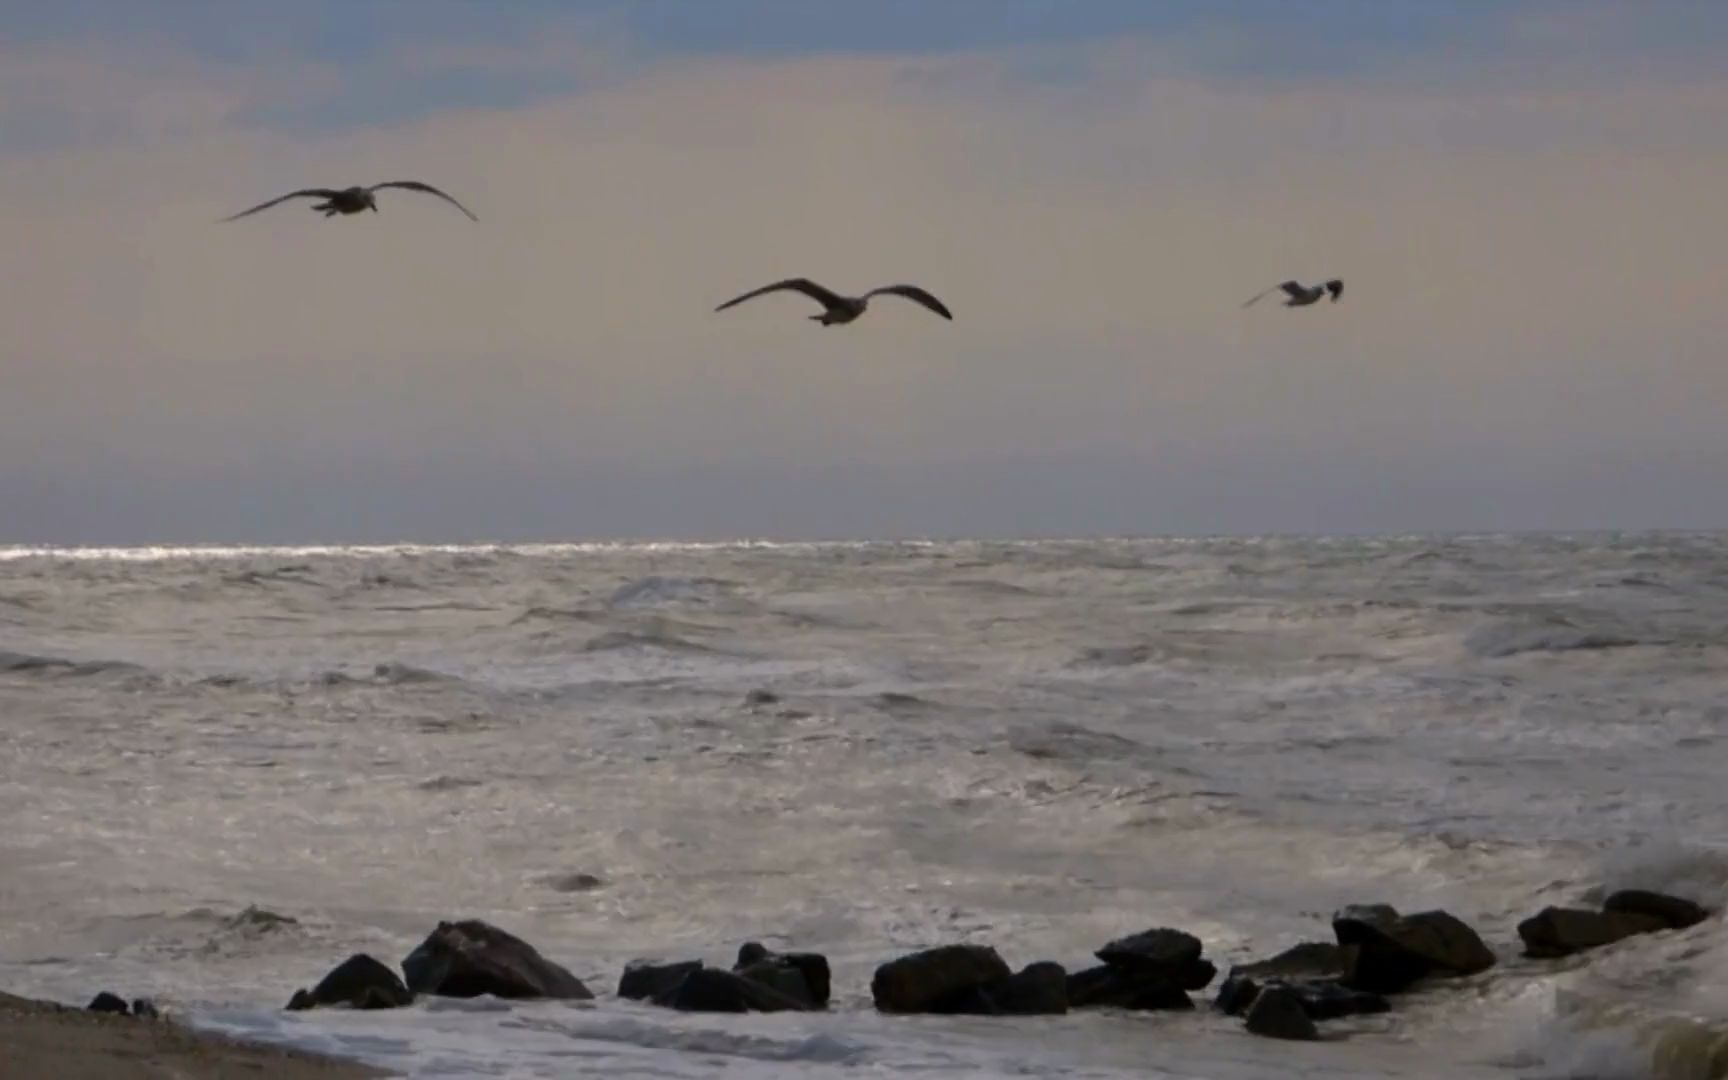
(837,309)
(353,200)
(1300,295)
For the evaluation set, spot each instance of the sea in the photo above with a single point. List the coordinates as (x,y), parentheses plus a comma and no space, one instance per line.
(224,769)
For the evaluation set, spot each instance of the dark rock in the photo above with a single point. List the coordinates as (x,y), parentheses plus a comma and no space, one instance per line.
(1556,931)
(761,697)
(1037,990)
(470,958)
(1384,952)
(1172,955)
(709,989)
(1119,988)
(1328,999)
(1309,960)
(145,1009)
(751,952)
(781,978)
(1159,950)
(108,1003)
(360,982)
(804,976)
(644,980)
(1672,911)
(1277,1013)
(1236,994)
(916,982)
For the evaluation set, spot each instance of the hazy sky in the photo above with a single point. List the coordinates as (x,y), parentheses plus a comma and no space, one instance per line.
(1528,200)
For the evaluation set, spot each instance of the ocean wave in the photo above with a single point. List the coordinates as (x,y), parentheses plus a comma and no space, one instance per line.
(652,638)
(1499,640)
(32,664)
(1113,656)
(393,673)
(656,591)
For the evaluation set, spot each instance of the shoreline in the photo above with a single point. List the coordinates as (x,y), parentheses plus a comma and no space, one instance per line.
(48,1039)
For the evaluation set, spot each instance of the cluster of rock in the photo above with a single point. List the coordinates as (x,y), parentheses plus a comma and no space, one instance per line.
(458,959)
(1558,931)
(1378,953)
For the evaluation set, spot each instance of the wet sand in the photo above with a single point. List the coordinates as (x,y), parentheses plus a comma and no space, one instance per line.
(61,1042)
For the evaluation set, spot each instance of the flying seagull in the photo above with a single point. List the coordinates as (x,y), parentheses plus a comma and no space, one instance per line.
(843,309)
(353,200)
(1301,295)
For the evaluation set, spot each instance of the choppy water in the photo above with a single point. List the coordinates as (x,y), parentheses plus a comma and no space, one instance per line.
(1038,746)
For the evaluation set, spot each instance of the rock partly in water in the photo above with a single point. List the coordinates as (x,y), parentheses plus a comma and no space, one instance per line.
(1037,990)
(1277,1013)
(1173,955)
(1309,960)
(761,697)
(359,982)
(804,976)
(1235,994)
(1118,988)
(106,1002)
(915,983)
(1322,999)
(145,1009)
(470,958)
(644,980)
(1329,999)
(707,989)
(1384,952)
(1673,912)
(1160,949)
(1555,931)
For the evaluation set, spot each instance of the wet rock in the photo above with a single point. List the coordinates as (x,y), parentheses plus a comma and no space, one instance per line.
(1557,931)
(804,976)
(1328,999)
(1309,960)
(1235,994)
(471,958)
(106,1002)
(1277,1013)
(916,982)
(1172,955)
(145,1009)
(359,982)
(1160,950)
(1322,999)
(1384,952)
(761,697)
(644,980)
(707,989)
(1037,990)
(1672,911)
(1118,988)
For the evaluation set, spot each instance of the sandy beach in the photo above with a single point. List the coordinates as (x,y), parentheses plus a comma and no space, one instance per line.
(43,1039)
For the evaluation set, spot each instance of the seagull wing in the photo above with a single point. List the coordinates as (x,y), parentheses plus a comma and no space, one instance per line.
(804,285)
(914,293)
(312,192)
(415,185)
(1336,288)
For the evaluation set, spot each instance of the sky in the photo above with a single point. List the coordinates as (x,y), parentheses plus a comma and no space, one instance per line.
(1526,201)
